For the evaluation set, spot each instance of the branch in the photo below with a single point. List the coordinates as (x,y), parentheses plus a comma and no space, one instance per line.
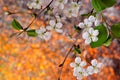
(62,64)
(37,15)
(45,8)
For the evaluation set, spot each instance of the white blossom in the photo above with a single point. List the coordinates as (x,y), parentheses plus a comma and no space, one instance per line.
(96,66)
(35,4)
(59,18)
(72,10)
(80,70)
(43,34)
(78,63)
(60,3)
(80,73)
(56,26)
(97,22)
(89,22)
(90,35)
(92,18)
(85,25)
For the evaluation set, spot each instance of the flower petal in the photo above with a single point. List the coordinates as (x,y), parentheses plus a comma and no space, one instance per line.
(91,19)
(52,23)
(91,30)
(49,27)
(94,39)
(77,60)
(99,65)
(47,35)
(72,64)
(94,62)
(97,22)
(90,70)
(81,25)
(85,35)
(83,63)
(88,41)
(59,30)
(95,32)
(59,25)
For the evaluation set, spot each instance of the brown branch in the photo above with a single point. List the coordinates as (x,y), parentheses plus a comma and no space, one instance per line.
(37,15)
(62,64)
(45,8)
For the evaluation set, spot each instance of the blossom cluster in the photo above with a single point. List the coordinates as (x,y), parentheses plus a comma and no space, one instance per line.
(89,33)
(69,9)
(58,7)
(64,7)
(35,4)
(45,33)
(79,68)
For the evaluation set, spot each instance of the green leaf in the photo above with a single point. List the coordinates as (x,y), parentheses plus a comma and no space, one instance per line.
(108,41)
(100,5)
(108,3)
(88,14)
(32,33)
(16,25)
(116,30)
(77,49)
(102,37)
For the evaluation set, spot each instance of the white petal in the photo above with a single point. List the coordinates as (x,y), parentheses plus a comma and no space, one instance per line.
(52,22)
(94,39)
(88,41)
(85,73)
(72,64)
(80,3)
(89,24)
(85,35)
(95,32)
(78,69)
(97,22)
(42,29)
(86,21)
(83,63)
(91,19)
(90,70)
(47,35)
(79,77)
(77,60)
(99,65)
(37,31)
(91,30)
(59,25)
(59,30)
(81,25)
(75,73)
(49,27)
(94,62)
(96,70)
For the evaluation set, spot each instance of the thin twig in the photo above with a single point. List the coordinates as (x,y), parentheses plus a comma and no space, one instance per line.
(62,64)
(37,15)
(45,7)
(30,24)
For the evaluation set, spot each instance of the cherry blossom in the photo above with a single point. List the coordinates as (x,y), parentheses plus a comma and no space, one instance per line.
(56,26)
(43,34)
